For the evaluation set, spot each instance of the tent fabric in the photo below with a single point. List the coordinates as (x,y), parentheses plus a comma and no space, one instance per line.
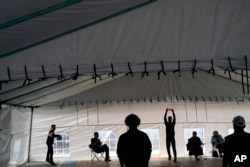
(5,137)
(14,135)
(203,86)
(158,37)
(81,121)
(168,31)
(80,64)
(24,24)
(198,86)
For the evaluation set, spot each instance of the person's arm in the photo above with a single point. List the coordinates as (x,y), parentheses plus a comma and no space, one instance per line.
(212,141)
(56,135)
(221,139)
(165,117)
(119,151)
(95,142)
(225,161)
(121,162)
(173,116)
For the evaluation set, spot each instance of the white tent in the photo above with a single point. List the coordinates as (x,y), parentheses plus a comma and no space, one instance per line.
(85,65)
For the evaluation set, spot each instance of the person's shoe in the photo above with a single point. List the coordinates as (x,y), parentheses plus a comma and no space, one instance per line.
(47,160)
(169,158)
(174,159)
(107,159)
(197,158)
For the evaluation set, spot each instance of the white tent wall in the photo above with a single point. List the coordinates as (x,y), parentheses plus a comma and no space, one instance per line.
(81,121)
(5,137)
(15,135)
(21,119)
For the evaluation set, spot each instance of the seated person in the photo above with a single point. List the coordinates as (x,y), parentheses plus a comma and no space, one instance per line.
(194,146)
(217,142)
(98,147)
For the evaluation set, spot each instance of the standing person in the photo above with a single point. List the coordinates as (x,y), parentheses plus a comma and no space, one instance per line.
(170,133)
(50,142)
(134,146)
(98,147)
(237,145)
(217,142)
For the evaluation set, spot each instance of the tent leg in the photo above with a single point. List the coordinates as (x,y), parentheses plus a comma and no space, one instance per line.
(31,120)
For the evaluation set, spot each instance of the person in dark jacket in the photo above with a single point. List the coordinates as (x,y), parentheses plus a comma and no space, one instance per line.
(194,146)
(50,142)
(98,147)
(170,133)
(236,147)
(134,146)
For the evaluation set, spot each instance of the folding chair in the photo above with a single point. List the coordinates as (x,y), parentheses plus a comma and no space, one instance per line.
(96,155)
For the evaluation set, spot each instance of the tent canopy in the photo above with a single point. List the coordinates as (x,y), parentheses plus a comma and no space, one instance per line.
(90,50)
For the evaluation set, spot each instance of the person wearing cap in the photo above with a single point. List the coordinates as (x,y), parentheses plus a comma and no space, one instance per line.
(170,133)
(134,146)
(237,146)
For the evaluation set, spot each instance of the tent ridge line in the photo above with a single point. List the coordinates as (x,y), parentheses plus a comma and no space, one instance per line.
(38,13)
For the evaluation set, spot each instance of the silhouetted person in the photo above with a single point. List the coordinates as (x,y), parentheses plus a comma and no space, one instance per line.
(194,146)
(50,142)
(170,133)
(98,147)
(217,142)
(237,146)
(134,146)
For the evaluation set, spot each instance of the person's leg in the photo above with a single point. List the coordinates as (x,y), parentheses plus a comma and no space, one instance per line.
(174,149)
(105,148)
(48,153)
(168,148)
(220,152)
(50,150)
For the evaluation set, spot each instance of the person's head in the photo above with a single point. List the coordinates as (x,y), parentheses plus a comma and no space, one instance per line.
(169,119)
(239,123)
(215,133)
(194,133)
(132,121)
(96,134)
(53,127)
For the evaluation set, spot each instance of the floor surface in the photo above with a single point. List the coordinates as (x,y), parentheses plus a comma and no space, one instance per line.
(154,162)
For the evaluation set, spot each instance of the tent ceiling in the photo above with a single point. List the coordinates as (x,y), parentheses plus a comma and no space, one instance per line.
(25,24)
(201,85)
(56,40)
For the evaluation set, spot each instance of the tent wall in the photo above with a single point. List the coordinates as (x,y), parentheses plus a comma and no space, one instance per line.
(5,137)
(81,121)
(14,136)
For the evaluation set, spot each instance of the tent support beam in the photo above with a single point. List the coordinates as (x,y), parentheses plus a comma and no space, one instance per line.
(38,13)
(31,121)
